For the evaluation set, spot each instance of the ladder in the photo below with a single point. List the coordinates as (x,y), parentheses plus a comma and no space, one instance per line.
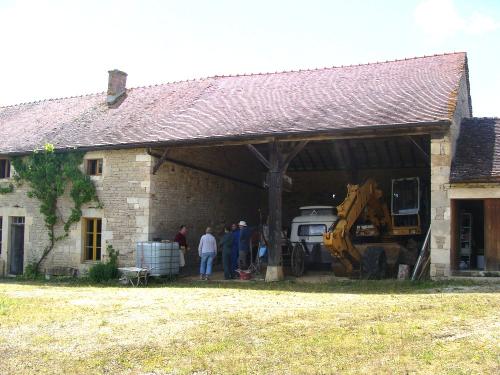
(423,251)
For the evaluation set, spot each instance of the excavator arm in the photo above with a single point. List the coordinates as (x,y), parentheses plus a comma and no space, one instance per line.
(337,240)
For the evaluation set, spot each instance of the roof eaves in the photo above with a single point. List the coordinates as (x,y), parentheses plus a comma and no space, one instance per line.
(374,130)
(474,180)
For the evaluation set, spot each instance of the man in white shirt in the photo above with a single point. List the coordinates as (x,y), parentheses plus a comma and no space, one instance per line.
(207,250)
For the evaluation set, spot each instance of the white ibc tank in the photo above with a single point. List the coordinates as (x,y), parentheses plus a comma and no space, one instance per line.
(160,257)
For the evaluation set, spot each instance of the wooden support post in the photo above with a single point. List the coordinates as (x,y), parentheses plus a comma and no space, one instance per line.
(277,165)
(275,260)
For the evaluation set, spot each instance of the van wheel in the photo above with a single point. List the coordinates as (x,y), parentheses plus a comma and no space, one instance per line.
(298,259)
(374,263)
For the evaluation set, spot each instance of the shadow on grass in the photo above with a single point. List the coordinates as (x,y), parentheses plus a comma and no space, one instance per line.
(335,286)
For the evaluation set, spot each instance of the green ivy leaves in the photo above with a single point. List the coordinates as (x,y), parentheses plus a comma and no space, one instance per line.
(49,174)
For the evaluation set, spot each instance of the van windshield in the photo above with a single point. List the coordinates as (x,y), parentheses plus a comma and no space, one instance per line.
(311,229)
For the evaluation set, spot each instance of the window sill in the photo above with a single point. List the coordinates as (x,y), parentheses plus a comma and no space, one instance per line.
(91,261)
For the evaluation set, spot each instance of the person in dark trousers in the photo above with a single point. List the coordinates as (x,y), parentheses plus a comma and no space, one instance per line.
(227,244)
(244,245)
(235,249)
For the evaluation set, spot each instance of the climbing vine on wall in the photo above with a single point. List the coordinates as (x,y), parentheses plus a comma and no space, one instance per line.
(49,174)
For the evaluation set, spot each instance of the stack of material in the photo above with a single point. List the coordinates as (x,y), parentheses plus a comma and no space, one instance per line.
(162,259)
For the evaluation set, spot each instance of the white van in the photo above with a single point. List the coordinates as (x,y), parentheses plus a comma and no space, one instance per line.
(308,229)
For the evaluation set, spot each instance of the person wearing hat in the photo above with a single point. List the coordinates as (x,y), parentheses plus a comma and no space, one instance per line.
(207,250)
(244,245)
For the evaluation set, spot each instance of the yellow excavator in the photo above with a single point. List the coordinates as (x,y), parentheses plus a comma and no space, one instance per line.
(364,203)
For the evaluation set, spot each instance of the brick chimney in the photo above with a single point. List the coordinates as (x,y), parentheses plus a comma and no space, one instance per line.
(116,85)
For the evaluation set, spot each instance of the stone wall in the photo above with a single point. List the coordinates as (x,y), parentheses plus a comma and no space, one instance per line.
(139,206)
(442,151)
(462,110)
(182,195)
(123,189)
(35,234)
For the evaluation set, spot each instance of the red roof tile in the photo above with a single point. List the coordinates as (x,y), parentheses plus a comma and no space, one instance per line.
(417,90)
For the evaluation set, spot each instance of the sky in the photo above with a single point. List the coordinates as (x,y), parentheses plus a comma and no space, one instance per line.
(52,49)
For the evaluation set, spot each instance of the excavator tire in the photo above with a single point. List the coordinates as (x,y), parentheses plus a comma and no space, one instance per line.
(373,263)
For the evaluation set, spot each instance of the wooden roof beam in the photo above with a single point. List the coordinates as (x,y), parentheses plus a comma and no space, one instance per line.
(421,151)
(160,161)
(259,156)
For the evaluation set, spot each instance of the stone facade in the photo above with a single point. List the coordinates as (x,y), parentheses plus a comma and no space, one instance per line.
(140,206)
(17,204)
(123,189)
(442,151)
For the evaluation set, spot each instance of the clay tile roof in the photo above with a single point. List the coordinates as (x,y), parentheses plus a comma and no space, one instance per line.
(418,90)
(477,156)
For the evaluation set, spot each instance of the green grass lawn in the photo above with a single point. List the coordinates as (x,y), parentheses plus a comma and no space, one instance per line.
(348,327)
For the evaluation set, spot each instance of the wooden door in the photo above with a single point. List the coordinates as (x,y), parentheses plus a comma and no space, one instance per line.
(492,234)
(17,246)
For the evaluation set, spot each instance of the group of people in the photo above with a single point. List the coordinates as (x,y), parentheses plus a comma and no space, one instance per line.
(234,244)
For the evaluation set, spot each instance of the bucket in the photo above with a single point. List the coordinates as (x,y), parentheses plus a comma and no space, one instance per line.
(403,272)
(245,275)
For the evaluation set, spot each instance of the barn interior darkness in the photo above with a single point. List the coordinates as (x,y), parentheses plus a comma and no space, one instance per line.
(325,168)
(321,169)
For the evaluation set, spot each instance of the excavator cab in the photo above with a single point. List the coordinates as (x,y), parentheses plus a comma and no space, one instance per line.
(405,206)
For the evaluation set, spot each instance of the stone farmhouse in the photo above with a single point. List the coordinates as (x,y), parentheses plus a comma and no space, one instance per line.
(185,153)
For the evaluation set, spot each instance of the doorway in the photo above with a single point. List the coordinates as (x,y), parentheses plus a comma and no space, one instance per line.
(469,242)
(16,253)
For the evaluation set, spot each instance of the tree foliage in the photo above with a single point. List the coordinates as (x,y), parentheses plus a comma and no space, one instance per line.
(48,174)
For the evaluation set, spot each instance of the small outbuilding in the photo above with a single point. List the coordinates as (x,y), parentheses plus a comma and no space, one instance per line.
(475,198)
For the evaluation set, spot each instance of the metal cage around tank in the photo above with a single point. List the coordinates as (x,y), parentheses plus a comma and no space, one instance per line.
(160,258)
